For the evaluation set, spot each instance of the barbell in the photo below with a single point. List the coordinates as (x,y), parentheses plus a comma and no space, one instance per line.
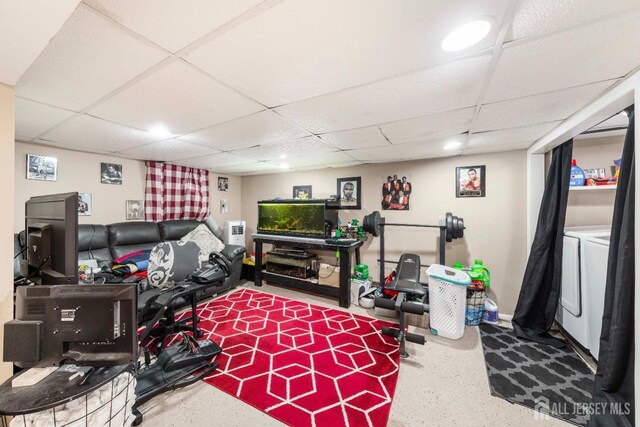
(452,225)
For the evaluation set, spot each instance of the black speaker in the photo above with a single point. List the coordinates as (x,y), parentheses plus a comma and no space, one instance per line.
(22,341)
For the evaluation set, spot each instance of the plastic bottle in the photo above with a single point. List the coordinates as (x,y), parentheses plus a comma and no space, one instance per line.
(480,273)
(577,175)
(490,314)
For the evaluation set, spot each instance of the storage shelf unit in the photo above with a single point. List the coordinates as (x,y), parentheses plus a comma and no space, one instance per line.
(593,187)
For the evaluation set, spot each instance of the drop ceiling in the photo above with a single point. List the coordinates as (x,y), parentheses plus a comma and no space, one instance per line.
(253,87)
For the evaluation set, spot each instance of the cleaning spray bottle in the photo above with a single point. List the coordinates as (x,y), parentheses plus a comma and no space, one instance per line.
(577,175)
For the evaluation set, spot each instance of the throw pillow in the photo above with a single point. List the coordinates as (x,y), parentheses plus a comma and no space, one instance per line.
(171,262)
(206,241)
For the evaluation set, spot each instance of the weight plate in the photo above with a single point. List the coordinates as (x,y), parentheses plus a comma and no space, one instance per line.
(454,229)
(371,223)
(449,226)
(461,222)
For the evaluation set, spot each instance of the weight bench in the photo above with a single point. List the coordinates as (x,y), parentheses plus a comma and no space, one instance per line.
(406,283)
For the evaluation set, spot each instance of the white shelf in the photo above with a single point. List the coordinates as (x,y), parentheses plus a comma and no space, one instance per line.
(593,187)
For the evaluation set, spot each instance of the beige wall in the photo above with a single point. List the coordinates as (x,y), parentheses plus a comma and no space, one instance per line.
(496,224)
(79,172)
(593,207)
(232,195)
(6,225)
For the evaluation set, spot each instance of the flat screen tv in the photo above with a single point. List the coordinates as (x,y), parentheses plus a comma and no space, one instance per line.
(82,324)
(51,226)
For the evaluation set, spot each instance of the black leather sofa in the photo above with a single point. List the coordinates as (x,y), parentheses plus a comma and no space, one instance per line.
(104,243)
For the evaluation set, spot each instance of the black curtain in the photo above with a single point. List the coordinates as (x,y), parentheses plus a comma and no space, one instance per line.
(540,291)
(614,388)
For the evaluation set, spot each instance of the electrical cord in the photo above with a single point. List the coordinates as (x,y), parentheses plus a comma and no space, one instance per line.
(20,253)
(37,270)
(328,275)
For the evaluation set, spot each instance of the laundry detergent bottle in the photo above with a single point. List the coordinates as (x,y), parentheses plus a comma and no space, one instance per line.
(577,175)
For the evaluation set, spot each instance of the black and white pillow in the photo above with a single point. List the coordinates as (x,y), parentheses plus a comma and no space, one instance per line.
(170,262)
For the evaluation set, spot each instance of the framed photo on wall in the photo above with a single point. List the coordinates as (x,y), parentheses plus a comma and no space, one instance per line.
(302,192)
(111,173)
(42,168)
(396,192)
(471,181)
(223,183)
(84,204)
(135,210)
(350,192)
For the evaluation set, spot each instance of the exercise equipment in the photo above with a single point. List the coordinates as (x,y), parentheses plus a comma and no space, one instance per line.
(406,284)
(451,228)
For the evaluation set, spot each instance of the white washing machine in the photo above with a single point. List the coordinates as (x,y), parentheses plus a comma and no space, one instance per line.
(596,256)
(573,311)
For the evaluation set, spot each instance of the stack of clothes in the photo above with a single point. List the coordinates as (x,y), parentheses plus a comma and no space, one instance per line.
(132,264)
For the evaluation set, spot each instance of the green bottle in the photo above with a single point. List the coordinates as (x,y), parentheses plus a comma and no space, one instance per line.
(480,274)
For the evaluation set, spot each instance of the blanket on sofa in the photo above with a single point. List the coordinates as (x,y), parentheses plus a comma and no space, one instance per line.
(131,263)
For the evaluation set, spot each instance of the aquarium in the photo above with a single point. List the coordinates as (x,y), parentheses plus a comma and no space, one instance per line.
(294,217)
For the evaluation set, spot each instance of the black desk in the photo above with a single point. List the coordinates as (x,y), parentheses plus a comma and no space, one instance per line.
(342,293)
(53,390)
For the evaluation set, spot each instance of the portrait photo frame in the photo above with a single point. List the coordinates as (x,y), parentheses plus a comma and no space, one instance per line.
(471,181)
(223,183)
(351,196)
(302,192)
(134,210)
(42,168)
(84,204)
(111,173)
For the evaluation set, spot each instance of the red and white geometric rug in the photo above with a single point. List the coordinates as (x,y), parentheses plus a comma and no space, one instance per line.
(303,364)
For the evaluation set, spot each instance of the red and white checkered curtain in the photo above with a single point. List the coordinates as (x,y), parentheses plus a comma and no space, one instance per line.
(175,192)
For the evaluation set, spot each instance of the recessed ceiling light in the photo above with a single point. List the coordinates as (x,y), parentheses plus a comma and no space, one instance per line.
(624,113)
(452,145)
(466,36)
(283,156)
(284,166)
(160,131)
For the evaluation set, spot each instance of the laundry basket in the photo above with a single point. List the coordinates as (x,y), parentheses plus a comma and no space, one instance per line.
(447,300)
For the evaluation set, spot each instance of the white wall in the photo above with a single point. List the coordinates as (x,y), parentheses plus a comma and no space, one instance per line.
(6,225)
(496,224)
(232,195)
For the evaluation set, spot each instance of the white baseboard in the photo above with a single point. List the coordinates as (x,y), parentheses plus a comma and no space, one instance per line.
(505,317)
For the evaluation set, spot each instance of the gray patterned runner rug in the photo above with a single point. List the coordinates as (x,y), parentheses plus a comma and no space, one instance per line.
(553,382)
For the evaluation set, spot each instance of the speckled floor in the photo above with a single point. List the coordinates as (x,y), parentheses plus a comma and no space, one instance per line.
(442,383)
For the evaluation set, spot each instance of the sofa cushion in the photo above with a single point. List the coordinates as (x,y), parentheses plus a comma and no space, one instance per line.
(205,240)
(93,243)
(127,237)
(175,229)
(171,262)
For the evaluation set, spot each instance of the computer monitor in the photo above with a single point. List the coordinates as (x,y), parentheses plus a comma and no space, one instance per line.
(51,226)
(92,325)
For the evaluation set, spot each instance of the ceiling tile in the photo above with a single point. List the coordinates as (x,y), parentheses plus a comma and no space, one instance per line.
(33,118)
(348,164)
(88,133)
(521,137)
(261,128)
(179,97)
(321,159)
(427,128)
(305,48)
(166,151)
(215,161)
(170,23)
(86,60)
(444,88)
(21,43)
(572,58)
(357,138)
(537,17)
(543,108)
(408,151)
(247,168)
(307,147)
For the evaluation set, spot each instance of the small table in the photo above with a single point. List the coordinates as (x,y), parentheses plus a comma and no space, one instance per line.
(53,390)
(342,293)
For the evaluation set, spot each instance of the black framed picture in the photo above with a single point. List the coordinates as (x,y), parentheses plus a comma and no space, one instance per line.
(471,181)
(350,192)
(42,168)
(135,210)
(111,173)
(302,192)
(223,183)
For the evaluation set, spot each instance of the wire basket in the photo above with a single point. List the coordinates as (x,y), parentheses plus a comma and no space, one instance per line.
(110,405)
(475,307)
